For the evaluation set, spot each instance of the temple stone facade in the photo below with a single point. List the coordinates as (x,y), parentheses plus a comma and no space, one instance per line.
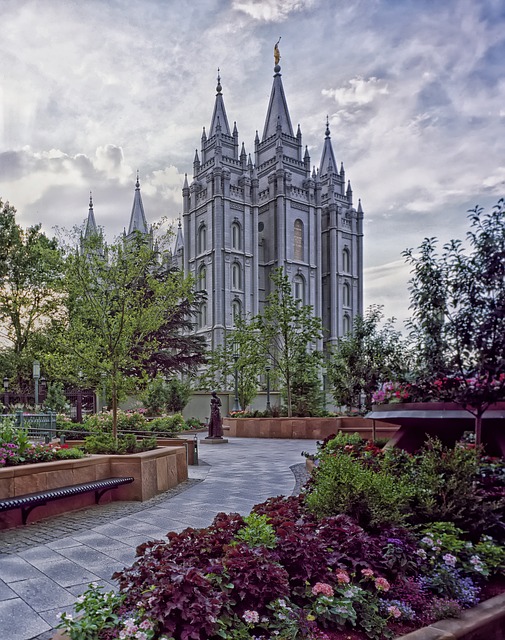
(244,216)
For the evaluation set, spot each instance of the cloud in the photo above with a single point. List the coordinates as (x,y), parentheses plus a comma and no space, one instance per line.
(359,92)
(272,10)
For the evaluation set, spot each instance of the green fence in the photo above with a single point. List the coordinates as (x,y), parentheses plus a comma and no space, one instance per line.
(40,426)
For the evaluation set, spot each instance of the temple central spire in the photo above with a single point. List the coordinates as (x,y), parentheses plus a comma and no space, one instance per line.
(278,112)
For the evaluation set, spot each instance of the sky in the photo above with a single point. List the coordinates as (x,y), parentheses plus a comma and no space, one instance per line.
(92,91)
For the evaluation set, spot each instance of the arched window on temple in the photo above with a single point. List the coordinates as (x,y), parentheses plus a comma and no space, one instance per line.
(346,295)
(235,236)
(346,260)
(298,240)
(236,276)
(202,278)
(202,238)
(299,288)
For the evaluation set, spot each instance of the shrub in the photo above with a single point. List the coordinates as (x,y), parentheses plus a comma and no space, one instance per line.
(70,454)
(104,443)
(343,485)
(446,488)
(56,399)
(168,424)
(257,532)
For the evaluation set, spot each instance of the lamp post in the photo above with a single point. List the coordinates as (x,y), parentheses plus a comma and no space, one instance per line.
(103,375)
(6,392)
(267,369)
(36,377)
(236,405)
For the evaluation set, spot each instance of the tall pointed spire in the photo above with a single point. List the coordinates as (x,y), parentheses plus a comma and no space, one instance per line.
(91,228)
(179,240)
(328,163)
(219,115)
(278,112)
(138,220)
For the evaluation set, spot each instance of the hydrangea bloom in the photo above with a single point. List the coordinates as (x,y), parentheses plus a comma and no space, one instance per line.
(382,584)
(251,617)
(324,588)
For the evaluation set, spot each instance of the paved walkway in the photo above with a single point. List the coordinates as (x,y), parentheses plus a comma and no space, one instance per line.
(46,565)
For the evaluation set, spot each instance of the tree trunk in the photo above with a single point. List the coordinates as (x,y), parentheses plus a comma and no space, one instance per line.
(114,411)
(478,429)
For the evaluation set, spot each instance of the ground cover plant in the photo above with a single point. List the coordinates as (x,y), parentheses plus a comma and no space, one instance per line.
(16,448)
(306,567)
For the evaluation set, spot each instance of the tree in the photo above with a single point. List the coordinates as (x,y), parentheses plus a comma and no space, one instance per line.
(175,346)
(115,305)
(288,333)
(241,352)
(364,358)
(31,268)
(466,318)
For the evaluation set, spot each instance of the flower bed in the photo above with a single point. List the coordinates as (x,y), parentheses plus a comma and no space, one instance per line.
(363,553)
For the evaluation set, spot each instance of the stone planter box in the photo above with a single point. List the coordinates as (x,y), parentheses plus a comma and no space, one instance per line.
(305,428)
(484,622)
(445,420)
(153,472)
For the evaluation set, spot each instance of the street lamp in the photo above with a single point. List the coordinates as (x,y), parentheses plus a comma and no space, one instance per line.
(36,376)
(267,369)
(6,392)
(236,405)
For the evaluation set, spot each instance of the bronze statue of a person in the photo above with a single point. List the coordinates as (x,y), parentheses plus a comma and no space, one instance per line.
(215,422)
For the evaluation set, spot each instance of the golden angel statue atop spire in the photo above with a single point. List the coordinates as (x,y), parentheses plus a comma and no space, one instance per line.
(277,53)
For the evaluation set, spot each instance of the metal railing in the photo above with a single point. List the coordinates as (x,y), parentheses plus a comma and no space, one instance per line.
(40,426)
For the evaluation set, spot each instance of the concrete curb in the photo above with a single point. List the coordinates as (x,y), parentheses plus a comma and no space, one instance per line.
(486,621)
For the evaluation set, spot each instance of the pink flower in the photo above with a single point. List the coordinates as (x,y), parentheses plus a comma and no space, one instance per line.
(324,588)
(251,617)
(343,577)
(382,584)
(394,611)
(368,573)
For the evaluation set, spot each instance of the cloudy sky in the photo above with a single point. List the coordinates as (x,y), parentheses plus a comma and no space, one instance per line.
(92,90)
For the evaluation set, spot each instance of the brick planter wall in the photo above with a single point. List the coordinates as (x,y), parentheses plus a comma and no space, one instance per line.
(153,472)
(305,428)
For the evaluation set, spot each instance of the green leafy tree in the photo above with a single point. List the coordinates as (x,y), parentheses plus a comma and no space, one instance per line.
(31,268)
(178,394)
(241,351)
(458,303)
(288,334)
(364,358)
(115,305)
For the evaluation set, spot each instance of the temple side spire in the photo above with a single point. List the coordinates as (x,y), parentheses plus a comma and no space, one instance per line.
(328,163)
(219,118)
(91,227)
(138,220)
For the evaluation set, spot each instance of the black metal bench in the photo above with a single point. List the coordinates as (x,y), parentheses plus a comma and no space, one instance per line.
(29,501)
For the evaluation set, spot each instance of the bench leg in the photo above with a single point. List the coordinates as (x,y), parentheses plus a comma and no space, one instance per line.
(25,511)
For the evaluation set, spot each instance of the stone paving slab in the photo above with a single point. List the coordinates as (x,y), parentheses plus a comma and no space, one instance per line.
(46,565)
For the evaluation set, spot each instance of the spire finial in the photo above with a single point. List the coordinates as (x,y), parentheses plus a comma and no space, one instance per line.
(327,132)
(137,184)
(277,54)
(219,88)
(90,200)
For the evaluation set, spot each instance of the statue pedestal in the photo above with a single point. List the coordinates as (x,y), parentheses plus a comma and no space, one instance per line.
(213,441)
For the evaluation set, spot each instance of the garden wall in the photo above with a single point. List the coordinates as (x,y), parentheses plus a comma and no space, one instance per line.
(306,428)
(153,472)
